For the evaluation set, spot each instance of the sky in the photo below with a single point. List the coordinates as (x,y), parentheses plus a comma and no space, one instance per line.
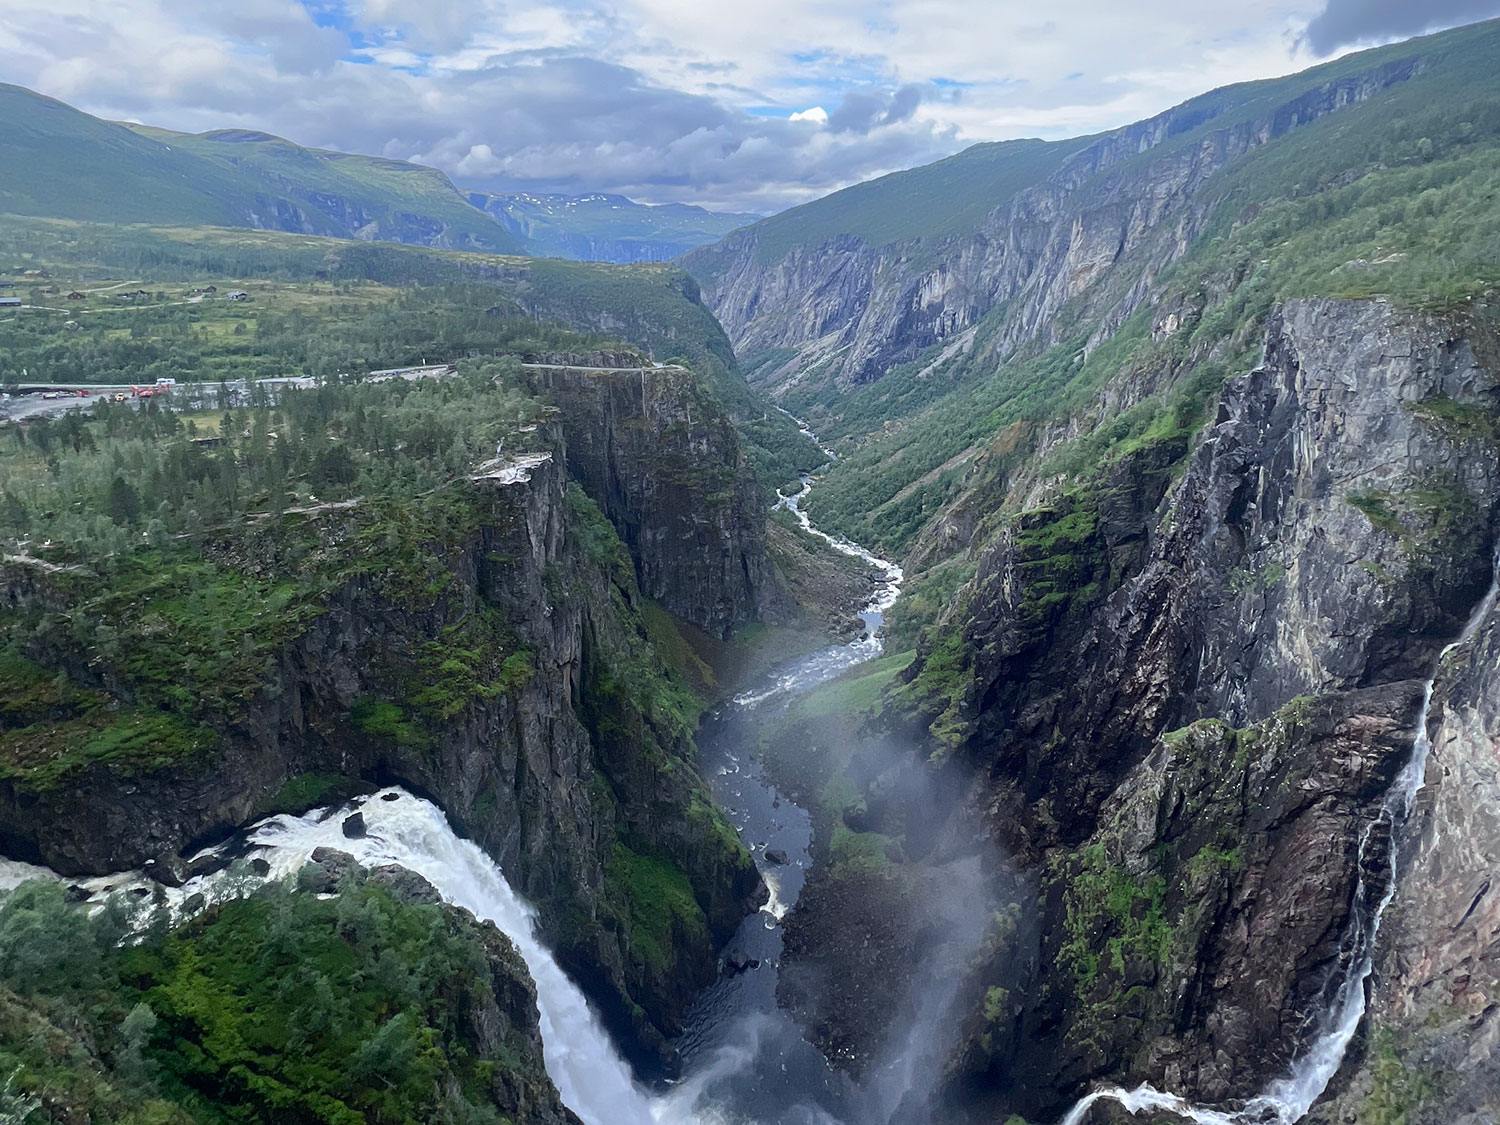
(754,105)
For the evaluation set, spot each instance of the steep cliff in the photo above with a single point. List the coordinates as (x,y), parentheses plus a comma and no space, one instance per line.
(490,647)
(1280,595)
(660,457)
(949,329)
(853,307)
(1432,1050)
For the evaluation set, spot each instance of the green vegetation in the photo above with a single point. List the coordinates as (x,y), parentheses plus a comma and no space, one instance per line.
(600,541)
(1460,420)
(1392,197)
(131,740)
(1060,559)
(1398,1089)
(676,652)
(664,915)
(1102,898)
(60,163)
(940,687)
(286,329)
(278,1007)
(321,307)
(1376,505)
(923,205)
(382,719)
(308,791)
(923,601)
(473,659)
(1435,521)
(855,695)
(180,567)
(51,729)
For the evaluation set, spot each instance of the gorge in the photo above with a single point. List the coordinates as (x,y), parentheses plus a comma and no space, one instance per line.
(1014,641)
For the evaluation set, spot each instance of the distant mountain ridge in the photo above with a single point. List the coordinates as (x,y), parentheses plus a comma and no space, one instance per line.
(606,228)
(859,281)
(58,162)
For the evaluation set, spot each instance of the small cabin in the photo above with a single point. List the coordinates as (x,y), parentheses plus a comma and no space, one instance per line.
(10,302)
(75,296)
(238,295)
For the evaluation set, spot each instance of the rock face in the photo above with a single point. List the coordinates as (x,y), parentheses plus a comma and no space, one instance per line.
(1332,531)
(855,309)
(662,460)
(1433,1049)
(1191,938)
(549,776)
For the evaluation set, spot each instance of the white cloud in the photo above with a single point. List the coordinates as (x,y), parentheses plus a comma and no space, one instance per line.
(697,100)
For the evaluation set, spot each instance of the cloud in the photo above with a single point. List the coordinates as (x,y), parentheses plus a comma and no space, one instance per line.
(659,99)
(1346,22)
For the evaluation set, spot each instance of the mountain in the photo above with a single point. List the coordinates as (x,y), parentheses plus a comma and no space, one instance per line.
(606,228)
(998,287)
(57,162)
(1185,434)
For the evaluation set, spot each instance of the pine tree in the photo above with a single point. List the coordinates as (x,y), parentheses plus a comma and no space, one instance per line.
(123,503)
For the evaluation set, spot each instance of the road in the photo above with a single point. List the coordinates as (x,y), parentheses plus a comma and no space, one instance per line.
(32,405)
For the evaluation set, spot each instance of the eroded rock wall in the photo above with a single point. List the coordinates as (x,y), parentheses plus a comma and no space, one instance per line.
(551,775)
(1331,531)
(1432,1047)
(658,454)
(862,308)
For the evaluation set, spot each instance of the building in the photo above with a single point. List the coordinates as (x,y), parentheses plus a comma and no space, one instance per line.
(75,296)
(238,295)
(10,302)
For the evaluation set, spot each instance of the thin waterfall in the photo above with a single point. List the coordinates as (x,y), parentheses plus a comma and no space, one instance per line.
(1287,1100)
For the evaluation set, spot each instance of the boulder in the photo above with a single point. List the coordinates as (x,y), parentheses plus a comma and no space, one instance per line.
(405,885)
(328,871)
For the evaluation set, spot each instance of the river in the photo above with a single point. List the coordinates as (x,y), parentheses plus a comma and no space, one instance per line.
(745,1062)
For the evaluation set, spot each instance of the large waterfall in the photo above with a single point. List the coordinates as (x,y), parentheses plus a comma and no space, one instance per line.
(592,1079)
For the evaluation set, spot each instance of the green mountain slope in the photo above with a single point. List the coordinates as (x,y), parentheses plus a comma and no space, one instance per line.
(606,228)
(950,198)
(915,206)
(652,305)
(1040,319)
(57,162)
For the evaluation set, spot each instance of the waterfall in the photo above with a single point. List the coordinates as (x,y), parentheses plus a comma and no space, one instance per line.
(591,1078)
(1287,1100)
